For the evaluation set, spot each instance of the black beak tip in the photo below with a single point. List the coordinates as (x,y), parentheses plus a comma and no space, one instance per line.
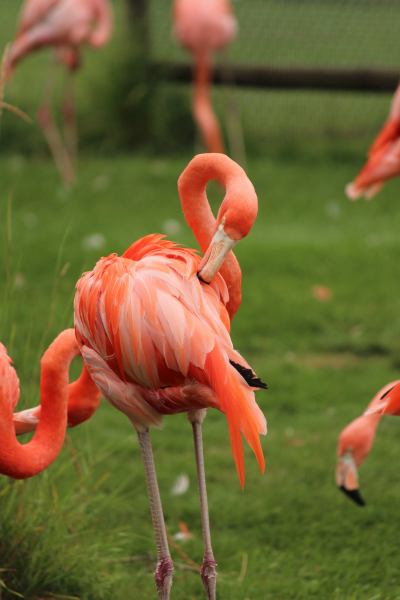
(354,495)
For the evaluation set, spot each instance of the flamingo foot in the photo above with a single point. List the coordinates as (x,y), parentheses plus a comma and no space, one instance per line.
(208,575)
(163,578)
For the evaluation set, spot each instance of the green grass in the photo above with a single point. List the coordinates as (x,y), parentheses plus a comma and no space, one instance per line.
(323,362)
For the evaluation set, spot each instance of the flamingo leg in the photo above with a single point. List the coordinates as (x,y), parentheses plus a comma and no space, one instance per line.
(69,117)
(208,572)
(51,133)
(165,567)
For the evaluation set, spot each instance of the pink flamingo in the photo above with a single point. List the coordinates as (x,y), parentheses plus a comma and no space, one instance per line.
(383,157)
(202,27)
(22,461)
(83,401)
(389,403)
(355,443)
(153,328)
(65,25)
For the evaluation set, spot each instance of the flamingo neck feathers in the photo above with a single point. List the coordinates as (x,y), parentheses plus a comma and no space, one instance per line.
(22,461)
(196,209)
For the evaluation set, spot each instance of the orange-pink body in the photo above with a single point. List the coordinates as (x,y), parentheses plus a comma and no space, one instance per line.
(144,322)
(155,338)
(356,441)
(64,24)
(389,404)
(204,27)
(383,157)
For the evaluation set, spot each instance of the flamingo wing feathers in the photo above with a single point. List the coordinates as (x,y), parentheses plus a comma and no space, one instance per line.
(60,23)
(388,134)
(156,325)
(33,12)
(383,157)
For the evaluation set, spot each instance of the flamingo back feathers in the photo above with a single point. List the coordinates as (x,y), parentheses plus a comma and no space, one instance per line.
(146,324)
(60,23)
(204,24)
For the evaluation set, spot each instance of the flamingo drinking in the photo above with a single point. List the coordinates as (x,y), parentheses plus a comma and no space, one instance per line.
(153,329)
(66,25)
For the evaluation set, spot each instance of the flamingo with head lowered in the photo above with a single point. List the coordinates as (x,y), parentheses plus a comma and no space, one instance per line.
(153,329)
(389,403)
(203,27)
(56,395)
(65,25)
(355,443)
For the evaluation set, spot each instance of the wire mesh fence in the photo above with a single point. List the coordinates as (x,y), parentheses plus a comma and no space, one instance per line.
(347,34)
(295,34)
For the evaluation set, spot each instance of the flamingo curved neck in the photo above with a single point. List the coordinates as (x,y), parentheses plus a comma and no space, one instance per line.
(22,461)
(196,209)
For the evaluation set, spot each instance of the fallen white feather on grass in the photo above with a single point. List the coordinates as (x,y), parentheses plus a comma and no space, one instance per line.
(181,485)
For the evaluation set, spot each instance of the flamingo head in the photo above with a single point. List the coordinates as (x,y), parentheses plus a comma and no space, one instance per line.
(235,218)
(347,477)
(354,445)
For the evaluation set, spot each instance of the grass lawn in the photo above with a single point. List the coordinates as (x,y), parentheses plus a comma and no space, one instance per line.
(290,534)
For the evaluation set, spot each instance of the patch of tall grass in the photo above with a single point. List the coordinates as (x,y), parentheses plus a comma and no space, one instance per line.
(49,544)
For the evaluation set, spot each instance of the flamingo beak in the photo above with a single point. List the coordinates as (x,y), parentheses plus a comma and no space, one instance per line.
(347,478)
(218,250)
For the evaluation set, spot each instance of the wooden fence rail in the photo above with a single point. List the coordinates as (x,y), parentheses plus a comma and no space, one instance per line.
(345,80)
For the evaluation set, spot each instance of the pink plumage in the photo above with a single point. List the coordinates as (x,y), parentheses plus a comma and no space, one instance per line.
(63,24)
(203,27)
(383,157)
(9,382)
(204,24)
(66,26)
(355,443)
(155,341)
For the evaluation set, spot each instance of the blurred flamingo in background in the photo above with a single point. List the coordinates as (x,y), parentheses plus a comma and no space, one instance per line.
(203,27)
(22,461)
(5,105)
(355,443)
(66,25)
(383,157)
(389,403)
(153,328)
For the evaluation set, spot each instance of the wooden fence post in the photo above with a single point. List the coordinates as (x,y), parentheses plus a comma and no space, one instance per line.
(139,15)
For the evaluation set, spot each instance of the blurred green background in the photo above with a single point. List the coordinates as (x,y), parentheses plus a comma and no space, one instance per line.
(113,89)
(291,534)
